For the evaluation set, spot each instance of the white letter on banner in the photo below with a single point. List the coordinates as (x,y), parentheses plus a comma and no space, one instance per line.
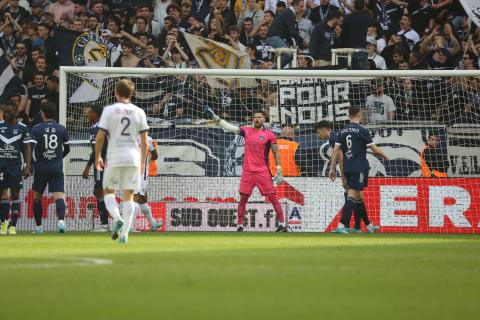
(455,212)
(305,95)
(388,206)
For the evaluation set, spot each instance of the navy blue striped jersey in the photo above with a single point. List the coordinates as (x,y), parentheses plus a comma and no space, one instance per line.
(332,139)
(354,141)
(49,139)
(93,135)
(12,140)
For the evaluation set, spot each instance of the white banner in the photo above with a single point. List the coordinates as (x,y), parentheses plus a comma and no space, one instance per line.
(472,8)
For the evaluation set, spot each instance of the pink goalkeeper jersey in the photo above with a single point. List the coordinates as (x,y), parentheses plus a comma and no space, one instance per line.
(257,147)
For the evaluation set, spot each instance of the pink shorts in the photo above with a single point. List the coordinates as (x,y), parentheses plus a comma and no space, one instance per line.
(262,180)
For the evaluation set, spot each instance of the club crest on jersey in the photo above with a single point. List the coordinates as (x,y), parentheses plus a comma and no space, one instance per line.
(261,138)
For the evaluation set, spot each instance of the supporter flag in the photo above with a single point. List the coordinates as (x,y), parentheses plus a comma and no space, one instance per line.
(216,55)
(472,8)
(6,72)
(86,49)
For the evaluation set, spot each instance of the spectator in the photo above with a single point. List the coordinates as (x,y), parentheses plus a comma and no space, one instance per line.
(280,7)
(37,11)
(245,35)
(152,26)
(406,30)
(251,11)
(268,17)
(16,86)
(129,59)
(372,54)
(323,12)
(8,39)
(433,161)
(200,9)
(395,44)
(53,92)
(469,61)
(422,13)
(141,25)
(19,61)
(97,9)
(380,107)
(407,102)
(186,10)
(260,42)
(254,62)
(438,54)
(403,65)
(305,28)
(243,104)
(325,37)
(354,34)
(374,31)
(228,16)
(35,96)
(233,39)
(388,14)
(463,33)
(49,47)
(63,12)
(287,150)
(175,57)
(271,5)
(175,12)
(152,59)
(284,30)
(16,12)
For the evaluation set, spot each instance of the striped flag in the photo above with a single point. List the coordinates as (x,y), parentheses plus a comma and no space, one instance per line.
(6,72)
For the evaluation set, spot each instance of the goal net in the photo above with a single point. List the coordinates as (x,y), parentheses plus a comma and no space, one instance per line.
(194,184)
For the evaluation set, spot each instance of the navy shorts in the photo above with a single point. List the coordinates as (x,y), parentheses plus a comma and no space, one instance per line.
(98,177)
(11,177)
(54,179)
(357,180)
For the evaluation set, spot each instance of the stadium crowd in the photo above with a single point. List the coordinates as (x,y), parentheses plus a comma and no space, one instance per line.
(409,34)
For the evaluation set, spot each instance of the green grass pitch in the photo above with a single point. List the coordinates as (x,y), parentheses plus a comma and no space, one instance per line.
(240,276)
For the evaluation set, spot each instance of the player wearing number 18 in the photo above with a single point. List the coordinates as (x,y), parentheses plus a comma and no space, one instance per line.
(353,141)
(50,145)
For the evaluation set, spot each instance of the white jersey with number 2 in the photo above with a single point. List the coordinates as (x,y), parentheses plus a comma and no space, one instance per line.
(124,122)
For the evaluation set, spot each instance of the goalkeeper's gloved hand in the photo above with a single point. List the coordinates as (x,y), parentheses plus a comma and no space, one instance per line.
(279,176)
(211,114)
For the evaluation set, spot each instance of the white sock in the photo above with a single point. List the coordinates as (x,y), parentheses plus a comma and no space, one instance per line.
(340,225)
(147,212)
(128,209)
(112,206)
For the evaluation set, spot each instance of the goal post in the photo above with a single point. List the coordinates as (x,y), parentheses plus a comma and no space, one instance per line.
(194,183)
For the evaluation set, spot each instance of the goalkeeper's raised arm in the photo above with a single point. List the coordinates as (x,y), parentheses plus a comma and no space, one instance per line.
(222,123)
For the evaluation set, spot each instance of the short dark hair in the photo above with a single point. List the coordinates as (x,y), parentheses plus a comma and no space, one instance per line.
(152,43)
(353,111)
(294,2)
(281,4)
(145,5)
(49,109)
(260,111)
(43,24)
(173,6)
(323,124)
(53,78)
(270,12)
(359,4)
(97,108)
(234,28)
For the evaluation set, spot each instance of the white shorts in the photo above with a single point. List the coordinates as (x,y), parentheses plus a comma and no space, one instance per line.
(143,187)
(121,178)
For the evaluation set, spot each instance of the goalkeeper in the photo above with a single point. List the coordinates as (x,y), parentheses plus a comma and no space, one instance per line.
(255,171)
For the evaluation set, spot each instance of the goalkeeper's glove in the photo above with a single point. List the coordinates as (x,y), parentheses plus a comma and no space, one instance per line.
(279,176)
(211,114)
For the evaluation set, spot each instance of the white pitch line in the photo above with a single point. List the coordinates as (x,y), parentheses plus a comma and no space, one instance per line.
(67,262)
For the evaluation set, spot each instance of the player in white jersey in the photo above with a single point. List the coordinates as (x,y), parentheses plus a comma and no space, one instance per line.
(125,124)
(141,197)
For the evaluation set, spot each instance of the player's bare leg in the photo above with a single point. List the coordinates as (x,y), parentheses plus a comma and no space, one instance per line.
(128,209)
(112,207)
(142,201)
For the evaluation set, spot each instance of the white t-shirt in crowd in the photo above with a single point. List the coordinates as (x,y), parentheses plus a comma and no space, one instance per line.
(379,107)
(124,122)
